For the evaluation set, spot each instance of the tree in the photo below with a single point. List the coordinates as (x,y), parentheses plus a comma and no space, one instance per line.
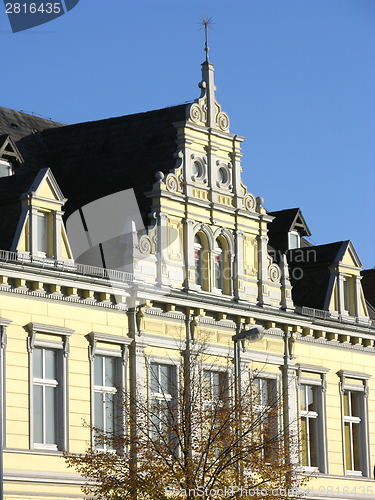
(190,438)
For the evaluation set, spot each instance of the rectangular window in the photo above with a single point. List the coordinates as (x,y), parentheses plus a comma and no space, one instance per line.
(352,430)
(105,381)
(265,408)
(308,397)
(48,386)
(42,230)
(45,397)
(162,388)
(354,392)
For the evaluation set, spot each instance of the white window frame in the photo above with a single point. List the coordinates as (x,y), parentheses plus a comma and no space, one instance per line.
(121,355)
(294,233)
(61,346)
(276,382)
(320,415)
(159,396)
(363,420)
(8,165)
(209,403)
(45,217)
(346,293)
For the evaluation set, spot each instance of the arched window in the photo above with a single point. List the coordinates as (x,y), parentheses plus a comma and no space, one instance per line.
(219,266)
(198,260)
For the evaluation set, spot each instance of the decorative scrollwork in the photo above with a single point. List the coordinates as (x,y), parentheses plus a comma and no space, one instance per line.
(195,113)
(249,202)
(172,183)
(223,120)
(145,245)
(274,272)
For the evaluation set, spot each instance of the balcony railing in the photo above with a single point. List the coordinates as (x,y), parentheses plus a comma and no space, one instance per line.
(66,266)
(319,314)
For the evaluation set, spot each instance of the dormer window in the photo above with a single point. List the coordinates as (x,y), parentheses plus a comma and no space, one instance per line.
(346,291)
(6,168)
(42,229)
(294,240)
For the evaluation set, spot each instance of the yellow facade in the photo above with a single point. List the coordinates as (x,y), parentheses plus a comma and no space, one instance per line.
(202,267)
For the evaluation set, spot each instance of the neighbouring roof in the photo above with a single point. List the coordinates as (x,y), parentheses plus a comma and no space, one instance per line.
(310,272)
(23,128)
(94,159)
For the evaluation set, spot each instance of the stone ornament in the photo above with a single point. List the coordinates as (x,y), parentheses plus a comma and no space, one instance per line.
(172,183)
(196,113)
(145,245)
(249,202)
(274,272)
(223,121)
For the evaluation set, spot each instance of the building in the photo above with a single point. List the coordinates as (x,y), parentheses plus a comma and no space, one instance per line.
(116,235)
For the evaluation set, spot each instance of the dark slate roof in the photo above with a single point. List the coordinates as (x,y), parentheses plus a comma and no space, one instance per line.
(11,188)
(94,159)
(310,274)
(22,128)
(368,285)
(16,185)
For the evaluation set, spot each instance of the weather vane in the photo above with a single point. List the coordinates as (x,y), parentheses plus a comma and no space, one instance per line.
(206,23)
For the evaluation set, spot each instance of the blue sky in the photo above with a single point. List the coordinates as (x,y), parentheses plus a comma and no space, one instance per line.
(296,77)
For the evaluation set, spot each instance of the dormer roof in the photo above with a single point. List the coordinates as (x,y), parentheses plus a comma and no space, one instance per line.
(9,150)
(288,220)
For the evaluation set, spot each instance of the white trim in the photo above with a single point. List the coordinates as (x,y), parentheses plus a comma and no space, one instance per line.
(121,357)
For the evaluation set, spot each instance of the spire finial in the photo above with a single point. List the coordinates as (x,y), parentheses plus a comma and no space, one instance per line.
(206,23)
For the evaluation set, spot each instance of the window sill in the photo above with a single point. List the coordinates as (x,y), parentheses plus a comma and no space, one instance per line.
(35,451)
(354,473)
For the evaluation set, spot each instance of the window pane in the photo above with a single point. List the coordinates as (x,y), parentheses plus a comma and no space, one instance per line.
(313,442)
(110,372)
(356,446)
(215,385)
(50,367)
(98,370)
(197,258)
(348,456)
(38,413)
(311,398)
(155,421)
(217,272)
(98,410)
(109,412)
(304,441)
(37,362)
(154,372)
(346,403)
(165,379)
(355,404)
(206,385)
(50,415)
(42,232)
(302,394)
